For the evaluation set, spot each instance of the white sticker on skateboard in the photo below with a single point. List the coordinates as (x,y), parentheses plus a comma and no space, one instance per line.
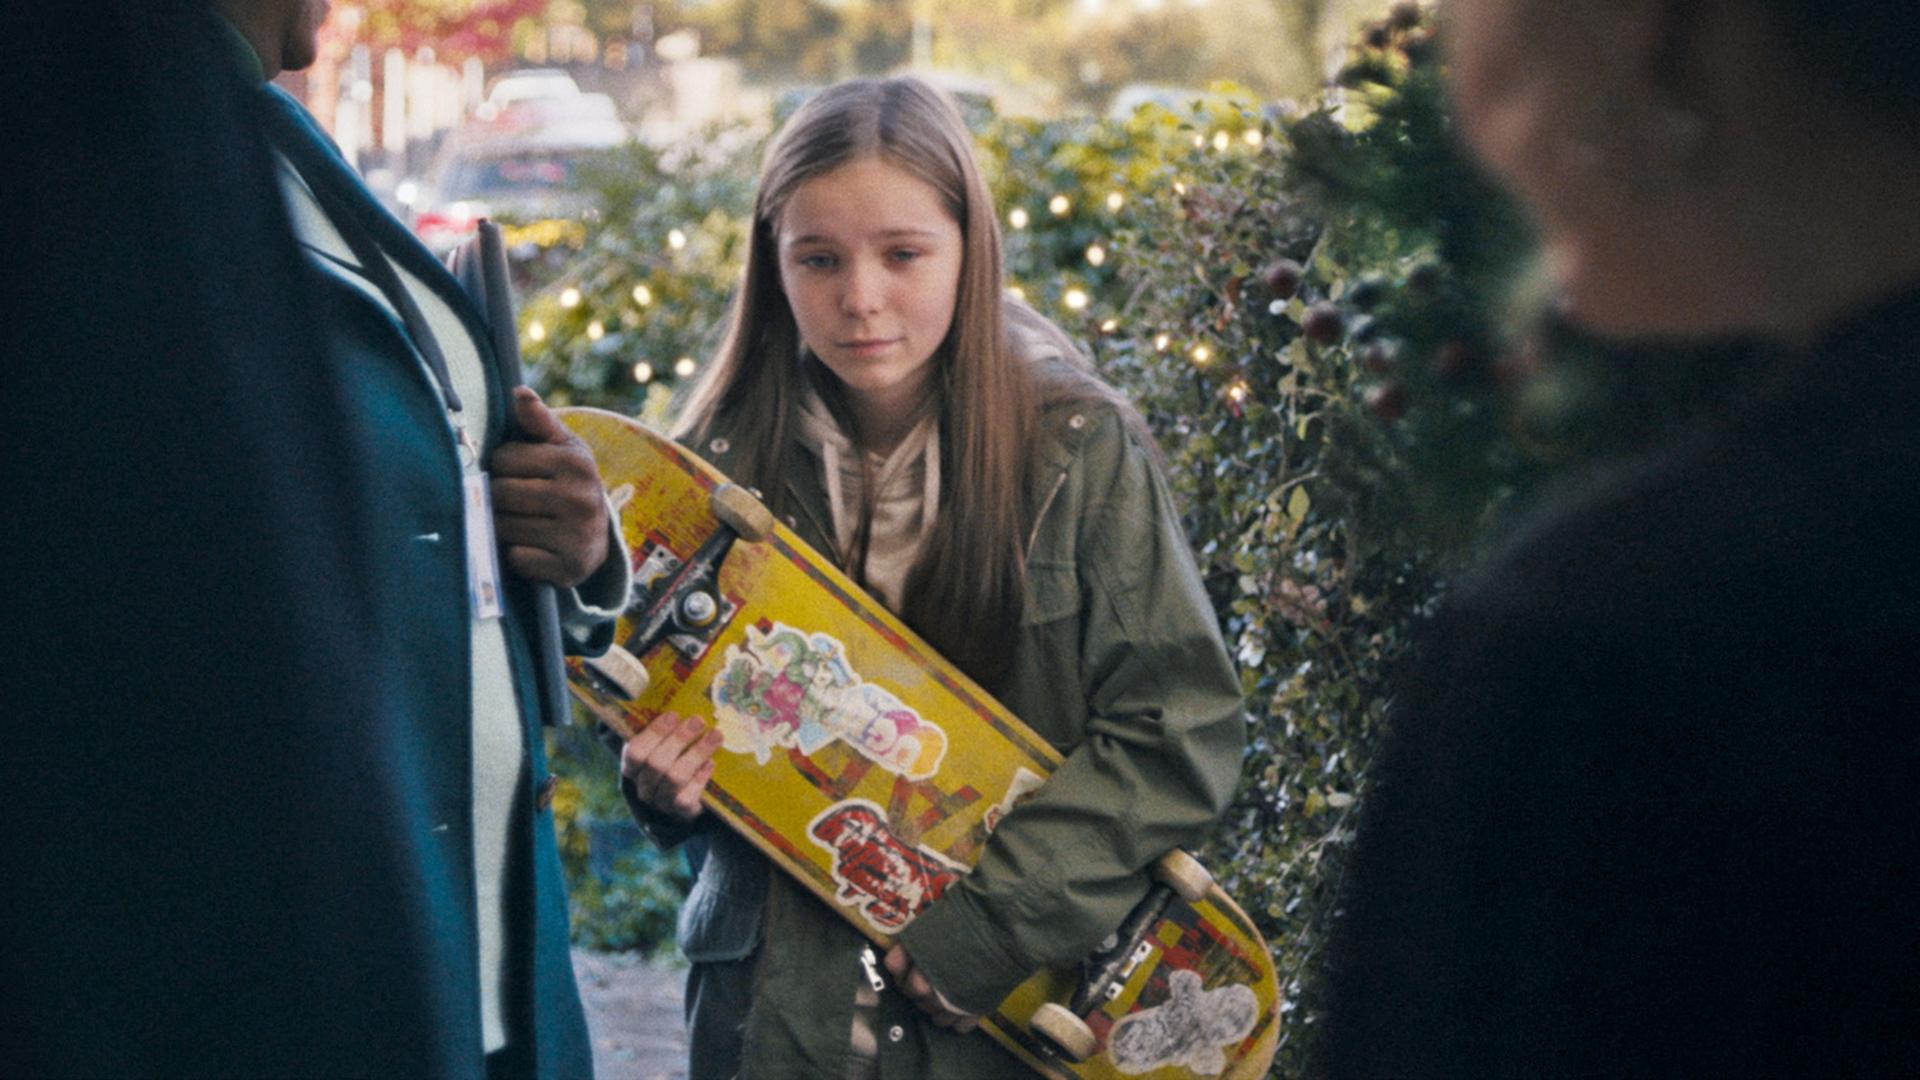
(1025,782)
(1189,1030)
(788,688)
(886,878)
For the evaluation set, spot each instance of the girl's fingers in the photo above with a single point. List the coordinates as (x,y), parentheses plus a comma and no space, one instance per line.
(669,763)
(686,804)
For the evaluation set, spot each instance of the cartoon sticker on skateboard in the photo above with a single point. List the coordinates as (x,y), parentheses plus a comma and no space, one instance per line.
(788,688)
(1190,1030)
(887,879)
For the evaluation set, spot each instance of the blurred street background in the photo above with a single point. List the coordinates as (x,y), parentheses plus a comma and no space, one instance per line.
(440,101)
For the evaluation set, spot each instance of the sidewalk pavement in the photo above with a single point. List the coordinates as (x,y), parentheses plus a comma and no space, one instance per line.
(634,1015)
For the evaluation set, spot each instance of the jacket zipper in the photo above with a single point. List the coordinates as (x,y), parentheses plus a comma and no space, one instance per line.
(870,961)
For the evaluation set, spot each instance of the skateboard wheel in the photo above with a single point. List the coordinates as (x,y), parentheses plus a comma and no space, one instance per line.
(1068,1033)
(736,507)
(1183,874)
(621,670)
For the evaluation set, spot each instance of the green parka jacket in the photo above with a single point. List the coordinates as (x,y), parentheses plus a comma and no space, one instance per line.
(1120,666)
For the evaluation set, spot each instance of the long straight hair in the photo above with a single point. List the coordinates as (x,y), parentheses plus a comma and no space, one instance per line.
(964,592)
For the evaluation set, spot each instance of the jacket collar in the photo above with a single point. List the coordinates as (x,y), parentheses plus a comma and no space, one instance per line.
(315,157)
(1063,436)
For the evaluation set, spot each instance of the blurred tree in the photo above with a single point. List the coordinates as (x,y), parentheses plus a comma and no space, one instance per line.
(1053,50)
(455,29)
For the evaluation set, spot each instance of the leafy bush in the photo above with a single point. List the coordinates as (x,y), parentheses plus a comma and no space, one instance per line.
(623,892)
(629,317)
(1318,313)
(1306,321)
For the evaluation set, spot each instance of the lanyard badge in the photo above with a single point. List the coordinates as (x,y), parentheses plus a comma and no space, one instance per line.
(483,550)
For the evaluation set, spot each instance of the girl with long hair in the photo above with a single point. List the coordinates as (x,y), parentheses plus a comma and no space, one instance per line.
(953,451)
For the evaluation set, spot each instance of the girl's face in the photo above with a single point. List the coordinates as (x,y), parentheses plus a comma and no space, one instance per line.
(870,261)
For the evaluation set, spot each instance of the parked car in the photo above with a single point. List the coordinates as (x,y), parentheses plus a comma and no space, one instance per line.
(1175,99)
(522,169)
(526,84)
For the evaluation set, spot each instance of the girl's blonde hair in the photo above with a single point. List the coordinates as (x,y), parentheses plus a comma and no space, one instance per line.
(964,593)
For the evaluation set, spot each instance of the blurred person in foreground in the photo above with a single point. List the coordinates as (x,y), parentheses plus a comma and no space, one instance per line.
(487,498)
(237,840)
(1649,802)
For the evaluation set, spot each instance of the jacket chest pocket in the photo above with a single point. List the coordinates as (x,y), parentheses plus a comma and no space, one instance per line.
(1053,592)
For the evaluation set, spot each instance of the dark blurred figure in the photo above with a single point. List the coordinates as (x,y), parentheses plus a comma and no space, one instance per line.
(1651,804)
(239,838)
(470,463)
(198,875)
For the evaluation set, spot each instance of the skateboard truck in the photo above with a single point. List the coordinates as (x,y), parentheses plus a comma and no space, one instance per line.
(1063,1029)
(687,601)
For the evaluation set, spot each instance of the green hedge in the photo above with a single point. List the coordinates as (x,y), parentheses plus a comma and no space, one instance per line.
(1324,315)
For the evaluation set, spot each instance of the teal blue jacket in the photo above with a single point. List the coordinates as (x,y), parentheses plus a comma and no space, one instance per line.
(398,423)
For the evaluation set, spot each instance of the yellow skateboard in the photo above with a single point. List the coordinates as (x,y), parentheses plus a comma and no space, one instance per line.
(871,770)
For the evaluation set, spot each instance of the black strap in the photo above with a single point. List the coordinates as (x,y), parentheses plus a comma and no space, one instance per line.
(379,270)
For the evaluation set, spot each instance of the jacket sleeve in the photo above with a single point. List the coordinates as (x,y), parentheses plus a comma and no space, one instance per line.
(1158,761)
(666,832)
(589,610)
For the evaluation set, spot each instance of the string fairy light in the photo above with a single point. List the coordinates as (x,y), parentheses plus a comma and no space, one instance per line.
(596,330)
(1075,299)
(642,295)
(536,331)
(643,373)
(676,239)
(1115,201)
(1018,217)
(1096,255)
(570,297)
(684,366)
(1060,204)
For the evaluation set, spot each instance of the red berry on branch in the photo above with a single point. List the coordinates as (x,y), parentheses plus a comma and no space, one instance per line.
(1284,278)
(1453,360)
(1387,401)
(1324,324)
(1367,292)
(1377,358)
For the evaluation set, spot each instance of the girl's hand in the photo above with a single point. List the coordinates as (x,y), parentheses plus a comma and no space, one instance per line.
(670,763)
(922,993)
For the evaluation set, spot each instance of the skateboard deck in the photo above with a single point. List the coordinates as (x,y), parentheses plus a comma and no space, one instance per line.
(872,771)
